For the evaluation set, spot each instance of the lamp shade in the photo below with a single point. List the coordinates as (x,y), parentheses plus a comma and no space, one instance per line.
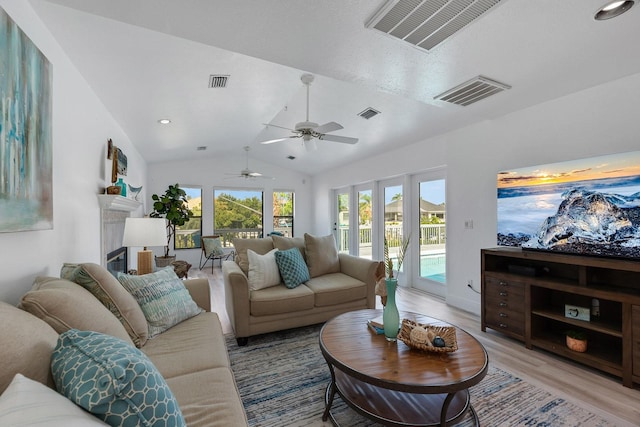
(145,232)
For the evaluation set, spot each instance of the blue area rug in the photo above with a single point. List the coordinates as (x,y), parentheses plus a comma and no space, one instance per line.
(282,378)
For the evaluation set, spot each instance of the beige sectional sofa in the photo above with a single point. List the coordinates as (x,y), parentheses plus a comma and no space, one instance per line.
(337,283)
(191,356)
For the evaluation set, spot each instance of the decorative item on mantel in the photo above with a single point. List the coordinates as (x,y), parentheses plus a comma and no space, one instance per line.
(118,167)
(387,291)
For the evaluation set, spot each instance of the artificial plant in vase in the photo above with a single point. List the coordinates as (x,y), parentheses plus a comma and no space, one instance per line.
(390,314)
(174,207)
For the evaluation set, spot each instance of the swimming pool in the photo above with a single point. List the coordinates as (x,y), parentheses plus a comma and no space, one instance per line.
(434,267)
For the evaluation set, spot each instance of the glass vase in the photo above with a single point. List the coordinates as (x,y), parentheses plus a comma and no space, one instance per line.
(390,314)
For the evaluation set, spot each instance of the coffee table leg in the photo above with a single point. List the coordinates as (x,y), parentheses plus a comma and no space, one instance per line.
(445,408)
(329,394)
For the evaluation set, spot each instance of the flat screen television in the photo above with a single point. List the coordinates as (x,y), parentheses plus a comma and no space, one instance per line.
(587,207)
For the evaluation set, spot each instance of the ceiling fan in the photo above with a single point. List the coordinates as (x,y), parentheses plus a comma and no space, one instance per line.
(246,172)
(310,131)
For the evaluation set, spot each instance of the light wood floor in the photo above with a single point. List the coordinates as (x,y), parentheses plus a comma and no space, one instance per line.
(588,388)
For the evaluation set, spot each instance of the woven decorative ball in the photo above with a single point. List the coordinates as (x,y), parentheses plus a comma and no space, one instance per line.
(420,336)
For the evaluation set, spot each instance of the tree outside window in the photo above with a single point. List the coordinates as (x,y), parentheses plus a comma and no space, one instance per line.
(188,235)
(283,212)
(237,214)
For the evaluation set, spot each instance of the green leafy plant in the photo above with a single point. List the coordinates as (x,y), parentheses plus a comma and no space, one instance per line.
(172,206)
(402,251)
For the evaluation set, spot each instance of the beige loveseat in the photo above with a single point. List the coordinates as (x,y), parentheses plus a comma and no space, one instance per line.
(191,356)
(338,283)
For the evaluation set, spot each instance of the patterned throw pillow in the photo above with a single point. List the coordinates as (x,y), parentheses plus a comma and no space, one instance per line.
(163,298)
(213,245)
(113,380)
(292,267)
(263,270)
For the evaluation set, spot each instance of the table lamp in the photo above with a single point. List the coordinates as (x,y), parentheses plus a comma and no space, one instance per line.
(145,232)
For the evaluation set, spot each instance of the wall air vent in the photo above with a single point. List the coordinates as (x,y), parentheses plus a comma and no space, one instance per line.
(218,81)
(472,91)
(368,113)
(427,23)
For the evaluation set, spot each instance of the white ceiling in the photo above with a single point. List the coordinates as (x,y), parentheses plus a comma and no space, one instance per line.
(151,59)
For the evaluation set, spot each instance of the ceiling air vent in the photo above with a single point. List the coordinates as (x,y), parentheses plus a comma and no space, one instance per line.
(218,81)
(368,113)
(427,23)
(472,91)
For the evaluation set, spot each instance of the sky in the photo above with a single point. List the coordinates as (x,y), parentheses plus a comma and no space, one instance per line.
(611,166)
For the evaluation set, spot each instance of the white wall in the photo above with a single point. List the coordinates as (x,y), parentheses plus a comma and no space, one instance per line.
(81,127)
(209,173)
(598,121)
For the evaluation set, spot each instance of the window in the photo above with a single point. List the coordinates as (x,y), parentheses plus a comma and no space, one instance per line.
(393,220)
(342,226)
(237,213)
(283,212)
(365,223)
(188,235)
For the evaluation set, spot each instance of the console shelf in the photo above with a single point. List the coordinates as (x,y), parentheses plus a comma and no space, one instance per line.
(525,295)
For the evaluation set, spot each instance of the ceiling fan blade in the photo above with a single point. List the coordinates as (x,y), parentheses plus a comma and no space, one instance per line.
(276,126)
(328,127)
(271,141)
(337,138)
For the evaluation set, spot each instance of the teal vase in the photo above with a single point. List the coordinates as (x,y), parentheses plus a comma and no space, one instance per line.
(390,314)
(123,187)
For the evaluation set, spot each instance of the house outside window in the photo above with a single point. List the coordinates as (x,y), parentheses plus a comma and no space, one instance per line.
(188,235)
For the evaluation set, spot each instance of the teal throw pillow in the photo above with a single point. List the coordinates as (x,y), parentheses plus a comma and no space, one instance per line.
(163,298)
(292,267)
(213,245)
(113,380)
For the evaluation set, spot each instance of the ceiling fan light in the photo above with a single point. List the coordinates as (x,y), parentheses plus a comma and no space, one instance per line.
(310,145)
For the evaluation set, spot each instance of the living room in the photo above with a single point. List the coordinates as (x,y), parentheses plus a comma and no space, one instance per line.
(587,119)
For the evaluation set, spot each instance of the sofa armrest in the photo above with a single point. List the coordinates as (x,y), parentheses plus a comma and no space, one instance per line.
(200,292)
(236,297)
(365,270)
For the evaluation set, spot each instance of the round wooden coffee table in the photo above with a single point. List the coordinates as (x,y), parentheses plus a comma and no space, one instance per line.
(393,384)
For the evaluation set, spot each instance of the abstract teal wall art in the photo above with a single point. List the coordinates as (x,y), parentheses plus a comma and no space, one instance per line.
(26,189)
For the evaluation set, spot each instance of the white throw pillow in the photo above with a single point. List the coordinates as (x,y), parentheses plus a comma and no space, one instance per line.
(263,270)
(28,403)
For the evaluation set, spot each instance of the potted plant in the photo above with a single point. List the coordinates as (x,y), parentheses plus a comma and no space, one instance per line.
(172,206)
(577,341)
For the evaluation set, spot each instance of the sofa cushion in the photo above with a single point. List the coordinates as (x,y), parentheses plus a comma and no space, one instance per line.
(260,246)
(24,335)
(163,298)
(104,286)
(66,305)
(113,380)
(280,299)
(191,346)
(209,398)
(29,403)
(284,243)
(322,254)
(263,270)
(292,267)
(336,288)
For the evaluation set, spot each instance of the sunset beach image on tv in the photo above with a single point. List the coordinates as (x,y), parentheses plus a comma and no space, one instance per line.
(589,206)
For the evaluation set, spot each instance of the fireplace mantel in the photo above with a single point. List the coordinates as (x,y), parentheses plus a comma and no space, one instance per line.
(117,203)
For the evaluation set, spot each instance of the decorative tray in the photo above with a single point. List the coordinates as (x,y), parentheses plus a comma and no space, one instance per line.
(421,336)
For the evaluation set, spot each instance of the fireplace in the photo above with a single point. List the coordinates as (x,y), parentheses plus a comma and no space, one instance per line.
(117,261)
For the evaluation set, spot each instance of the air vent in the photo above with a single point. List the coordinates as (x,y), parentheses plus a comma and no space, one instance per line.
(202,148)
(472,91)
(291,157)
(218,81)
(368,113)
(427,23)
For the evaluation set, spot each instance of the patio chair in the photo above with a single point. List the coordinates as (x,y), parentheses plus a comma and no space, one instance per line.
(212,250)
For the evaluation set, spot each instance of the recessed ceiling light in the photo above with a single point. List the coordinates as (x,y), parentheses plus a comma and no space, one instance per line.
(164,121)
(613,9)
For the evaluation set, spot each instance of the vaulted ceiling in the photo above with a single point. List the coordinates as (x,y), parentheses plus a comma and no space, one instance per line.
(152,59)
